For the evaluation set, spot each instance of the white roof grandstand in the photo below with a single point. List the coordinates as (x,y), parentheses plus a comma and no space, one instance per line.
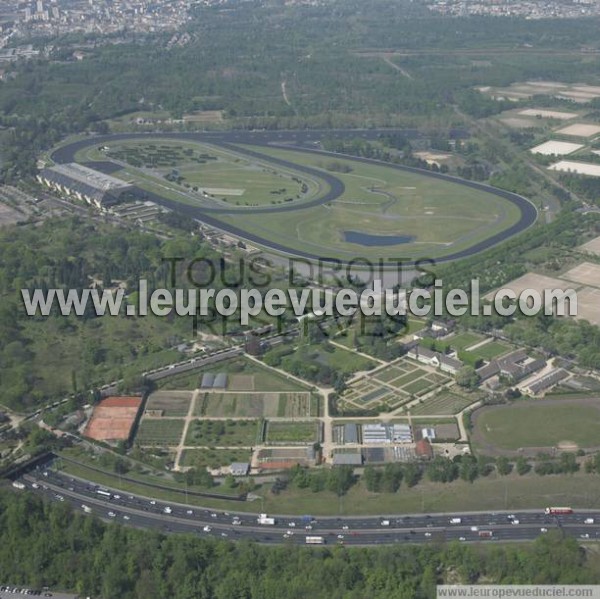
(89,176)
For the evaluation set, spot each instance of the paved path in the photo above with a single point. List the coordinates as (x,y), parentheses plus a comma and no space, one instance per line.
(190,416)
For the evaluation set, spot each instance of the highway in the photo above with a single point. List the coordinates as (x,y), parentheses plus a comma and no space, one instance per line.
(146,513)
(299,141)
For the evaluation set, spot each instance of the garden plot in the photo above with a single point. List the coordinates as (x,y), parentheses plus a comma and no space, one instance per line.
(444,403)
(159,432)
(298,404)
(292,433)
(168,403)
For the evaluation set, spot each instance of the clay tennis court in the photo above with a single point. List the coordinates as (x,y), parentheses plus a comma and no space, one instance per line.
(113,418)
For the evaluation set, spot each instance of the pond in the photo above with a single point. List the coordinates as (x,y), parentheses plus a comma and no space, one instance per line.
(369,240)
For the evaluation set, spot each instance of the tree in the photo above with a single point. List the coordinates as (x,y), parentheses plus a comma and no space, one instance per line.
(503,466)
(467,377)
(522,466)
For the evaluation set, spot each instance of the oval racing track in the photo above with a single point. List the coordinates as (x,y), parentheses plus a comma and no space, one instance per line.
(528,212)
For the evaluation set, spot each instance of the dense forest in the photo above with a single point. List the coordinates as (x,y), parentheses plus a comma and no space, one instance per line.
(45,544)
(328,56)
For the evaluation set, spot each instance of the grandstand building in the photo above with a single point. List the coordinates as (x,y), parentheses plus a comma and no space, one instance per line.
(86,184)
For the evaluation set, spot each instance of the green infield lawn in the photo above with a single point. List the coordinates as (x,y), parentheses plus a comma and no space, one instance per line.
(436,217)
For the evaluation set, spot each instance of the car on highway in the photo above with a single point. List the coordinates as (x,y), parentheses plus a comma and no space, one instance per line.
(207,528)
(126,517)
(543,529)
(112,515)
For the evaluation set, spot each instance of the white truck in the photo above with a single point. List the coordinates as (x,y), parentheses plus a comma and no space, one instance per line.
(86,508)
(589,521)
(265,520)
(455,520)
(167,509)
(385,523)
(18,485)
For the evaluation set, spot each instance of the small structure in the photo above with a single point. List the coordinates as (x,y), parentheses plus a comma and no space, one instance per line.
(423,449)
(239,468)
(428,433)
(347,459)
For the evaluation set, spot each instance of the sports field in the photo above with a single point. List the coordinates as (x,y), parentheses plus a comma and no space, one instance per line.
(564,424)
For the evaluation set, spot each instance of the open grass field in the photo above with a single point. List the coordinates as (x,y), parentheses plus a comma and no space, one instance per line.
(565,424)
(291,432)
(223,433)
(159,432)
(397,210)
(463,340)
(491,350)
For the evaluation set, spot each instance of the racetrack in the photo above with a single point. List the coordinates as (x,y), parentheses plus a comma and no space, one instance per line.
(335,187)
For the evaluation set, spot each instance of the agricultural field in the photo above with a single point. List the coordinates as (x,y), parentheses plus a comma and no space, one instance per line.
(283,433)
(445,402)
(383,207)
(160,432)
(223,433)
(169,403)
(257,404)
(537,425)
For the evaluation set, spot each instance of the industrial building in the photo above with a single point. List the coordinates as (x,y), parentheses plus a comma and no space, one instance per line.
(86,184)
(386,433)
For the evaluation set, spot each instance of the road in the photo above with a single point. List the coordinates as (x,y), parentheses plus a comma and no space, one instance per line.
(146,513)
(303,141)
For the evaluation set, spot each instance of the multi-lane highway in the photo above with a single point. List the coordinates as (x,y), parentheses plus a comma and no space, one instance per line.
(144,512)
